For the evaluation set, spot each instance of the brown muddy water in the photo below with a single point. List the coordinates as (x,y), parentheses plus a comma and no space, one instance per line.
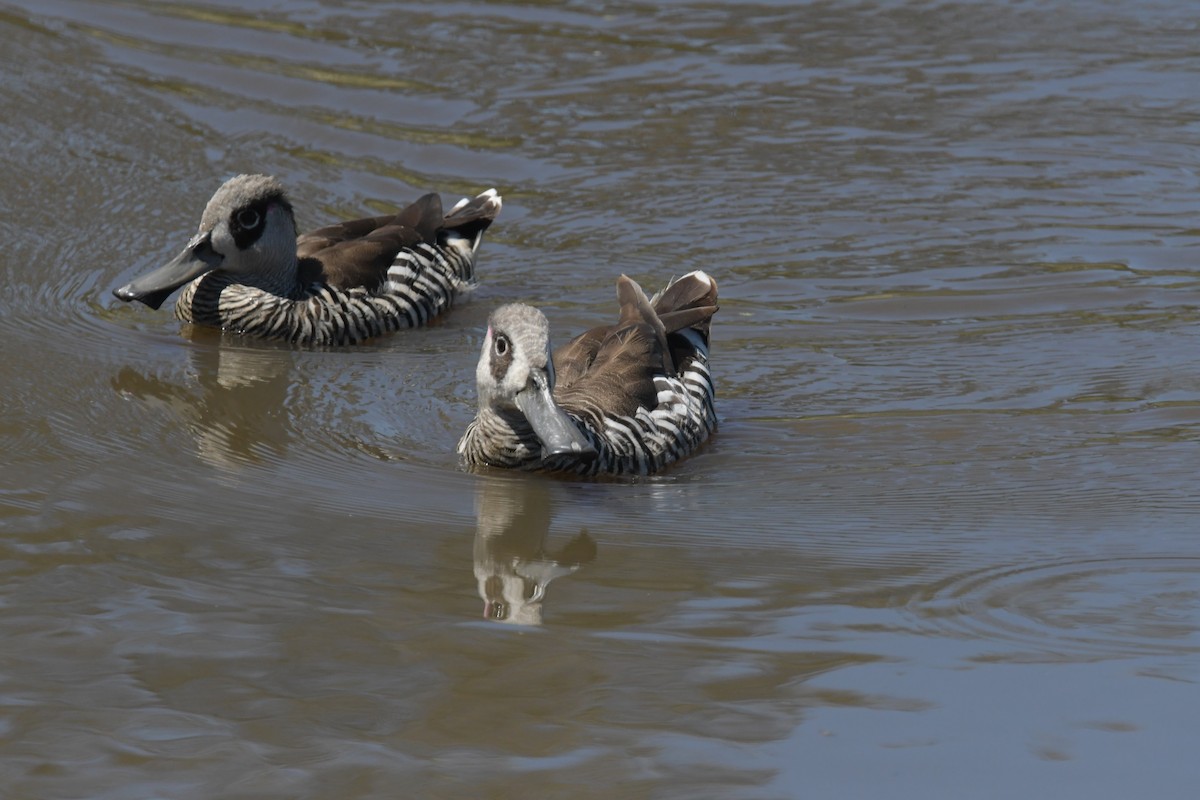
(945,543)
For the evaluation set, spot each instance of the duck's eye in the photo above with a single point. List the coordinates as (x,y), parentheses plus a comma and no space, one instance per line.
(501,345)
(248,218)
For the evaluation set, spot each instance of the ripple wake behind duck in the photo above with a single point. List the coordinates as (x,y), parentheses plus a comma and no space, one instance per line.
(625,399)
(247,271)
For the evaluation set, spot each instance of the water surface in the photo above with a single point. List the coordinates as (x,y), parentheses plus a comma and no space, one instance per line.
(944,543)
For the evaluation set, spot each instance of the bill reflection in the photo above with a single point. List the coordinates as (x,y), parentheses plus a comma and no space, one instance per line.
(514,564)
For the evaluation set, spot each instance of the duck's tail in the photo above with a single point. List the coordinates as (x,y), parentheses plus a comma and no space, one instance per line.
(470,217)
(687,302)
(685,305)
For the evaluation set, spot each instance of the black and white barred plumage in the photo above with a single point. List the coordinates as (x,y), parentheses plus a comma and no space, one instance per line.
(627,399)
(246,270)
(423,283)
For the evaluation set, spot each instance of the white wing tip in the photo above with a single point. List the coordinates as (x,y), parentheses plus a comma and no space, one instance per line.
(700,275)
(491,198)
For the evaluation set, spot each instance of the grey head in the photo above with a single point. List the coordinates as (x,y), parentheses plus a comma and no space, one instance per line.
(248,229)
(515,377)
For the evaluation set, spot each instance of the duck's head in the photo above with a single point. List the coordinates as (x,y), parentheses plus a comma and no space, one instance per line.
(515,376)
(248,229)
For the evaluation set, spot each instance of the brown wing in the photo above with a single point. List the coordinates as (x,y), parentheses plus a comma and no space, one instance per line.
(573,359)
(620,376)
(612,368)
(358,252)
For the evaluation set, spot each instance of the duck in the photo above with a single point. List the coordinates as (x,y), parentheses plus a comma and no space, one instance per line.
(247,271)
(625,399)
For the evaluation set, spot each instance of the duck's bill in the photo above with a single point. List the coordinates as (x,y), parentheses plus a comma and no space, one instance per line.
(155,287)
(555,429)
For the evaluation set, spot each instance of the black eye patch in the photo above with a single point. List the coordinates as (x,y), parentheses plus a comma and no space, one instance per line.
(502,356)
(247,223)
(249,218)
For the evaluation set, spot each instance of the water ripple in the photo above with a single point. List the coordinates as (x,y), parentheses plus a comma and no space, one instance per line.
(1070,609)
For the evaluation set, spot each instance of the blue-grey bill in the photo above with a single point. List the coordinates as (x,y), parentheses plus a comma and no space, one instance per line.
(156,286)
(555,429)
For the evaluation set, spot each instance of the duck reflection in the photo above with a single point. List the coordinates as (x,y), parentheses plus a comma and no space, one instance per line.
(235,405)
(513,564)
